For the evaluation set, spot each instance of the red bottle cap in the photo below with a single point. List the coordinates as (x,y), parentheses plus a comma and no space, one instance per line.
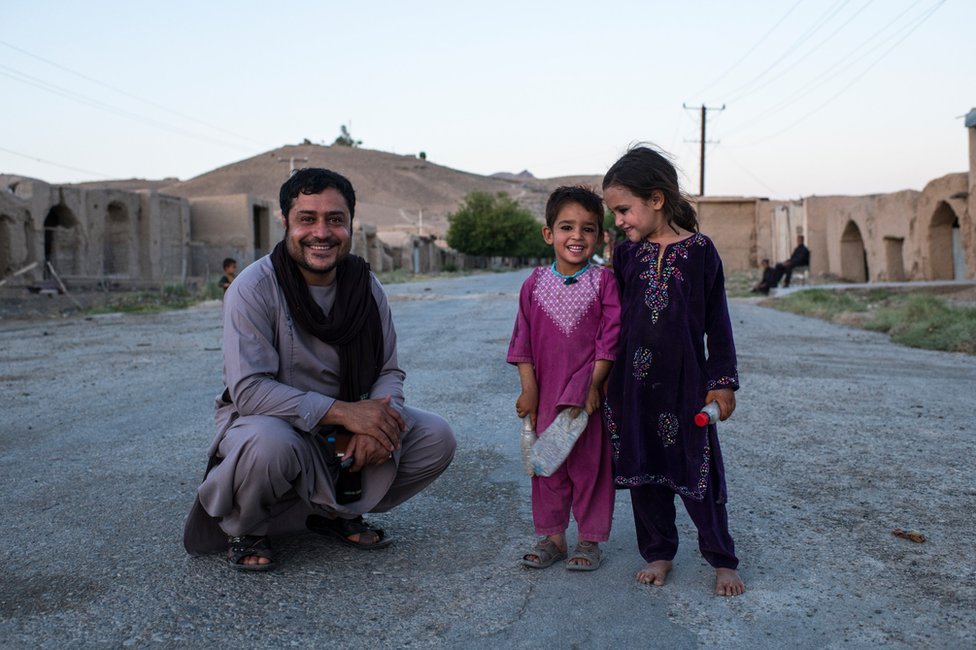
(701,419)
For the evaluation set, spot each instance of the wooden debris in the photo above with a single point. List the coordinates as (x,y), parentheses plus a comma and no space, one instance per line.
(18,272)
(912,535)
(64,289)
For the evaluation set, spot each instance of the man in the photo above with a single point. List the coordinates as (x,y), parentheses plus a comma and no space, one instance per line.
(311,377)
(800,257)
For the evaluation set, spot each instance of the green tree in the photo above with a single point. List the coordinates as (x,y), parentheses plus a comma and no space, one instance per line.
(495,225)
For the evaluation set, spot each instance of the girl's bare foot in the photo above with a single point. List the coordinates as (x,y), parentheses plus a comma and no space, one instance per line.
(655,573)
(728,583)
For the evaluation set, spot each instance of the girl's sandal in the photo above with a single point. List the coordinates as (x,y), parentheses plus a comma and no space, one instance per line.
(589,551)
(546,553)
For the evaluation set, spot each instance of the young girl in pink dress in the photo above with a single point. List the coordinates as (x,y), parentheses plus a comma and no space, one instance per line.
(564,344)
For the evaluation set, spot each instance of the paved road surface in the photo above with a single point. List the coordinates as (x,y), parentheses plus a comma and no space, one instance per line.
(839,438)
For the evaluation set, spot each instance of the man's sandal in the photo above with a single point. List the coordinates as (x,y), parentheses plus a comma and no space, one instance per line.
(546,553)
(244,546)
(589,551)
(370,537)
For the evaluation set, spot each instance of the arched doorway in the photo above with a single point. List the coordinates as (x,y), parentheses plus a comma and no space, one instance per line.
(61,240)
(942,252)
(853,258)
(117,243)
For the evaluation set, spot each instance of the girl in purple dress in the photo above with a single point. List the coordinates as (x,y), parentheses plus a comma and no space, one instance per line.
(564,344)
(673,300)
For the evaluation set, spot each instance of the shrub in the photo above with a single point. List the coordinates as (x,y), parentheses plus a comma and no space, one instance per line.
(495,225)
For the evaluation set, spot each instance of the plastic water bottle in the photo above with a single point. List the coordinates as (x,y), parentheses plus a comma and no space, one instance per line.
(708,415)
(557,441)
(526,441)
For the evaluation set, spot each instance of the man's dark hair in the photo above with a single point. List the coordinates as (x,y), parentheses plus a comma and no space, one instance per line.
(315,180)
(583,196)
(228,261)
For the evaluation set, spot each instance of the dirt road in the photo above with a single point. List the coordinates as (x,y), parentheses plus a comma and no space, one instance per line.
(839,438)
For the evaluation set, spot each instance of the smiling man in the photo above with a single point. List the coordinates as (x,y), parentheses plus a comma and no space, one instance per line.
(312,431)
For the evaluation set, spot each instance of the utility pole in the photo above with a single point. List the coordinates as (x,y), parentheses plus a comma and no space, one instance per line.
(291,163)
(704,110)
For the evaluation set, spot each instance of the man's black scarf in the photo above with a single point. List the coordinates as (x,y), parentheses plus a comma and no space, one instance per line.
(353,328)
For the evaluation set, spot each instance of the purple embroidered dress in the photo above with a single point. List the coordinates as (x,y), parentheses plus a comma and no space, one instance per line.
(670,304)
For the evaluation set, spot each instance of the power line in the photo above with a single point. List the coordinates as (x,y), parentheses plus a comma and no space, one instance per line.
(762,39)
(827,74)
(813,29)
(30,80)
(129,94)
(840,92)
(48,162)
(725,152)
(810,52)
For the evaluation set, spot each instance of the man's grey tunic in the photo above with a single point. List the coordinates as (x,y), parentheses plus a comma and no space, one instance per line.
(281,381)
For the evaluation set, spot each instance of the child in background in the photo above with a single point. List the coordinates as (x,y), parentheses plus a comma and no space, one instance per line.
(673,300)
(564,344)
(230,272)
(769,278)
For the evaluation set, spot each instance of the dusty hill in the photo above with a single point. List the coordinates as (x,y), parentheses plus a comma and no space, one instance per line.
(385,183)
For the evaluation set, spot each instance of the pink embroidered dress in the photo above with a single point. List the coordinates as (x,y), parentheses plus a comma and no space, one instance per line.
(562,330)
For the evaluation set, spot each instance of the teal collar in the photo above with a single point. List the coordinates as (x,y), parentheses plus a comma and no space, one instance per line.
(570,279)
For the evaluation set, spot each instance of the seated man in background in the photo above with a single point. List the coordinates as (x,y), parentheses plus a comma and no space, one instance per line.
(800,257)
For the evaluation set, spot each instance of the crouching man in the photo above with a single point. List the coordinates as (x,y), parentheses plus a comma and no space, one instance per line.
(312,431)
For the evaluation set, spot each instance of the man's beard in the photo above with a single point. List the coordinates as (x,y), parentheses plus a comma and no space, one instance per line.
(299,256)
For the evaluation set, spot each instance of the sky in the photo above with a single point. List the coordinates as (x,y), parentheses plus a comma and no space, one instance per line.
(808,97)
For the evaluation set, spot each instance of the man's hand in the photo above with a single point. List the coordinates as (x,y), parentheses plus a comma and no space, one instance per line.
(726,401)
(365,450)
(374,418)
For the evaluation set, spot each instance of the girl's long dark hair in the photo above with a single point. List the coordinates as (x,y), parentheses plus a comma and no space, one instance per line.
(641,171)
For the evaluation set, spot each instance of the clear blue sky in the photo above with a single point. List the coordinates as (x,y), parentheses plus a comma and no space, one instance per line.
(821,96)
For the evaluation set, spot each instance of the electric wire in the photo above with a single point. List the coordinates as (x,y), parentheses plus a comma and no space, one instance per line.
(36,82)
(122,91)
(742,58)
(55,164)
(724,152)
(847,61)
(816,47)
(844,89)
(803,38)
